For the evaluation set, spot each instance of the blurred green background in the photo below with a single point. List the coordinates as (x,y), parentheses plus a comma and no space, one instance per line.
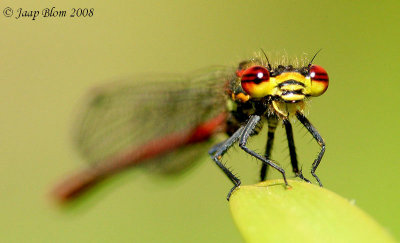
(47,65)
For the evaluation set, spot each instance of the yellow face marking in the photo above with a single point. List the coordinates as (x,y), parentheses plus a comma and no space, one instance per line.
(288,91)
(288,76)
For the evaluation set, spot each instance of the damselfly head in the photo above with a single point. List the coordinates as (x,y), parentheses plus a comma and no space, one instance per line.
(284,82)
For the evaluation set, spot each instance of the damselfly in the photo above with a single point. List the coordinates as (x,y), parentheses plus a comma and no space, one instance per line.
(166,121)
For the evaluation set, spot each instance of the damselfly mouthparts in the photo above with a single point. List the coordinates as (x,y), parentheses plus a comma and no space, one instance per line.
(166,121)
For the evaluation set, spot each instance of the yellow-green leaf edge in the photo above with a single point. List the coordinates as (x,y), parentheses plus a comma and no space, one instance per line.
(303,212)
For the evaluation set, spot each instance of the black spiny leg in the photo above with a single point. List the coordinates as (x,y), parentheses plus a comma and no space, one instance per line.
(248,129)
(272,123)
(216,153)
(292,150)
(317,137)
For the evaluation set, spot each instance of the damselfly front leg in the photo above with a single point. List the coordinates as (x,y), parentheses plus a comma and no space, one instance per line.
(249,128)
(319,140)
(216,153)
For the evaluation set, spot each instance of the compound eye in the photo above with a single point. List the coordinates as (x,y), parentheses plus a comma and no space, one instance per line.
(319,80)
(255,81)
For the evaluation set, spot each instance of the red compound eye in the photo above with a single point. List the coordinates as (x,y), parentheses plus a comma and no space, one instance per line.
(253,81)
(317,73)
(319,80)
(255,74)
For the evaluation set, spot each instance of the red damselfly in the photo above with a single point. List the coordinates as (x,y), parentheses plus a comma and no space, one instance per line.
(167,121)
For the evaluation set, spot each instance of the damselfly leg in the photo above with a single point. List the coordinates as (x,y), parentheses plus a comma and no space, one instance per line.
(249,128)
(216,153)
(319,140)
(272,124)
(292,150)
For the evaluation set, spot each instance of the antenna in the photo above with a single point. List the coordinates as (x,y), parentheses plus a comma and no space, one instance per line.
(314,57)
(269,65)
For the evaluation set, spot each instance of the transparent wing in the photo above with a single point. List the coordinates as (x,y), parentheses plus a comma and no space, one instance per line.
(128,114)
(179,160)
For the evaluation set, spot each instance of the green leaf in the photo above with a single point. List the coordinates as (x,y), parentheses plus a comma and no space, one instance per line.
(270,212)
